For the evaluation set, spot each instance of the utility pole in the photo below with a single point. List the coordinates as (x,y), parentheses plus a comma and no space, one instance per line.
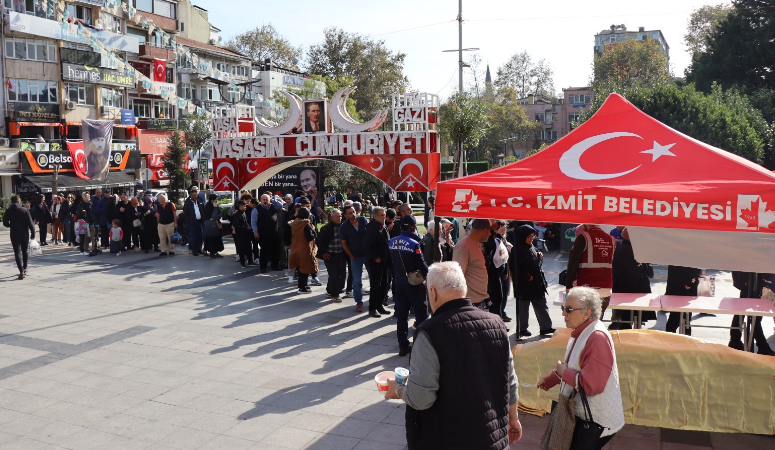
(460,155)
(55,179)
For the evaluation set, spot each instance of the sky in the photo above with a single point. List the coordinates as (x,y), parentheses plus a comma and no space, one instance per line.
(559,31)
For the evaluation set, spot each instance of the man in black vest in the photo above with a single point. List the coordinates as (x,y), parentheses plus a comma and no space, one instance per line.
(474,405)
(18,219)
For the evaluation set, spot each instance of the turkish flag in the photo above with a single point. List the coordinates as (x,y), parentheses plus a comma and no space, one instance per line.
(226,174)
(160,70)
(79,159)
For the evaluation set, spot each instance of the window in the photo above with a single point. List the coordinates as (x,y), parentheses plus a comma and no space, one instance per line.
(138,33)
(540,117)
(33,91)
(31,49)
(234,95)
(164,8)
(170,76)
(210,92)
(111,23)
(188,91)
(82,13)
(81,94)
(161,110)
(579,99)
(572,119)
(144,5)
(548,135)
(112,97)
(141,108)
(552,118)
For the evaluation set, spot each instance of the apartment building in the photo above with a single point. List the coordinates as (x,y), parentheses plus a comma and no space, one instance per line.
(619,33)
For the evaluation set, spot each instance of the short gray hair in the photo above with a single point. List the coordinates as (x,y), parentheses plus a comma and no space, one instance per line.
(447,276)
(335,211)
(160,196)
(430,226)
(348,202)
(357,206)
(588,298)
(376,210)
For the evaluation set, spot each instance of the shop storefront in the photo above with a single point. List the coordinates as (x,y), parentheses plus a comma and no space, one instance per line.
(28,120)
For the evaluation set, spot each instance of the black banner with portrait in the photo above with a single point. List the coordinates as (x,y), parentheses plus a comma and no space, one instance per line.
(294,179)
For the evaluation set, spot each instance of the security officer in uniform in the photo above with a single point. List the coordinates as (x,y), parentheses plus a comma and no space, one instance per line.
(405,256)
(591,262)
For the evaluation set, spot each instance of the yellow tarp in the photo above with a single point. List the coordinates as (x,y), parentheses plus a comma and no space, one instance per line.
(668,381)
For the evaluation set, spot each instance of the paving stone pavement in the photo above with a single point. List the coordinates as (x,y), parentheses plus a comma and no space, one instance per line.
(137,352)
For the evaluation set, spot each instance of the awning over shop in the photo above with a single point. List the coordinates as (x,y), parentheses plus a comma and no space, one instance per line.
(131,130)
(15,127)
(69,182)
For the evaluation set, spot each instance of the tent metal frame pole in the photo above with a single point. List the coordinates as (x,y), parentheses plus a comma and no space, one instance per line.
(515,280)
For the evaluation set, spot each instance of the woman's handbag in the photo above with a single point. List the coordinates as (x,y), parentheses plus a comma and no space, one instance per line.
(587,433)
(414,277)
(211,228)
(137,223)
(559,431)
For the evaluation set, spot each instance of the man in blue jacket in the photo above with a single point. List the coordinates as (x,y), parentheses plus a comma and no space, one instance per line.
(351,232)
(406,257)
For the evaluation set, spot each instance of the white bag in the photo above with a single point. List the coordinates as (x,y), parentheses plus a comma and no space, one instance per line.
(34,248)
(501,256)
(705,287)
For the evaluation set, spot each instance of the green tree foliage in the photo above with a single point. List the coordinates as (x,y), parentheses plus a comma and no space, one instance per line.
(371,66)
(525,76)
(723,119)
(740,52)
(266,42)
(509,125)
(464,119)
(630,63)
(198,133)
(702,24)
(310,91)
(175,163)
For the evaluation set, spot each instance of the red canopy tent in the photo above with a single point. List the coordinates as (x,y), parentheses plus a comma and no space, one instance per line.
(685,202)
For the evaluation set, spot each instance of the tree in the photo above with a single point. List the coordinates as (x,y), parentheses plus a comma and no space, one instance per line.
(702,24)
(463,119)
(740,52)
(266,42)
(198,134)
(373,68)
(525,77)
(175,161)
(724,119)
(629,63)
(510,125)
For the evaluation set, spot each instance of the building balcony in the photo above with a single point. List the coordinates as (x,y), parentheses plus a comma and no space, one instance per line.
(152,52)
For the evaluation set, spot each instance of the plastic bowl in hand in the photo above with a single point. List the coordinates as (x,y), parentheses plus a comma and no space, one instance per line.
(382,380)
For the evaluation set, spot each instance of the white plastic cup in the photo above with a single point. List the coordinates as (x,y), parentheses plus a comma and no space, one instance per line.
(401,375)
(382,380)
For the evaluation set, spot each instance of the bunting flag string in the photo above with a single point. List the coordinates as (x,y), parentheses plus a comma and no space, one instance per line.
(131,13)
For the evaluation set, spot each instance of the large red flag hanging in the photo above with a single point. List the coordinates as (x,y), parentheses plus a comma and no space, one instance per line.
(79,159)
(160,70)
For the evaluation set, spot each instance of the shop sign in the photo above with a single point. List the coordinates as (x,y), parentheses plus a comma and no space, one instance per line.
(75,56)
(120,147)
(24,186)
(127,117)
(296,81)
(34,112)
(96,75)
(153,141)
(44,162)
(162,124)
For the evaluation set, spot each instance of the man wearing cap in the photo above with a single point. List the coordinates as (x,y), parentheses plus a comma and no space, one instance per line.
(468,253)
(193,210)
(406,258)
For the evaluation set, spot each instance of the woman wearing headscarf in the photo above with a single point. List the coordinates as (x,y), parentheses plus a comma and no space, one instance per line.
(213,234)
(303,248)
(589,363)
(629,276)
(134,206)
(531,283)
(150,236)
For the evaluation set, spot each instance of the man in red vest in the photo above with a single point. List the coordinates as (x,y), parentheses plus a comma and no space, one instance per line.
(590,262)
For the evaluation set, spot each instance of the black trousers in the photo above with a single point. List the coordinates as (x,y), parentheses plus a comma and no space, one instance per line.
(758,332)
(129,230)
(378,284)
(674,319)
(336,266)
(105,236)
(43,232)
(349,275)
(268,243)
(254,243)
(20,251)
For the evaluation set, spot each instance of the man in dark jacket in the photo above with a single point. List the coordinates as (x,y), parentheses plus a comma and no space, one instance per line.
(531,283)
(193,211)
(333,255)
(265,228)
(462,392)
(742,281)
(405,256)
(375,242)
(126,214)
(41,215)
(98,209)
(18,219)
(351,232)
(66,217)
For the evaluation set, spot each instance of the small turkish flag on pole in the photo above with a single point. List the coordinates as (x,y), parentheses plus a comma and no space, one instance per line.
(160,70)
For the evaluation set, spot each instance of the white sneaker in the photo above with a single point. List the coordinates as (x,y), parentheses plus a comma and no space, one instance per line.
(84,254)
(236,258)
(118,254)
(336,299)
(315,282)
